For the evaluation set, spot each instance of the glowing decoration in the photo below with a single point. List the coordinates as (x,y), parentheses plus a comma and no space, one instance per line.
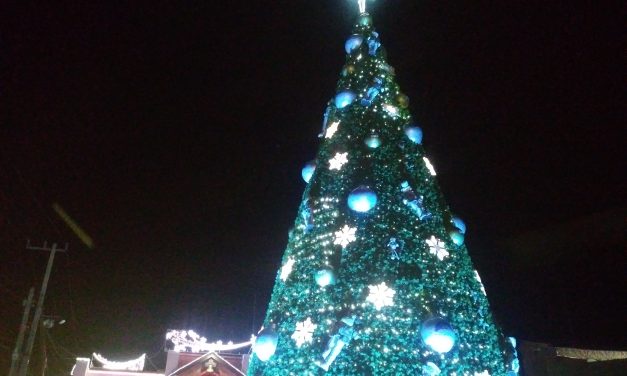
(437,247)
(344,98)
(362,199)
(264,345)
(362,6)
(190,341)
(286,269)
(373,141)
(338,160)
(308,171)
(364,19)
(515,364)
(130,365)
(304,332)
(459,224)
(345,236)
(438,334)
(484,373)
(391,110)
(478,278)
(414,202)
(456,237)
(429,166)
(337,342)
(353,43)
(430,369)
(396,248)
(373,43)
(331,129)
(380,296)
(414,133)
(325,277)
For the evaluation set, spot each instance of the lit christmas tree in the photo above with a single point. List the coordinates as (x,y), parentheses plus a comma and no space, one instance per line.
(376,279)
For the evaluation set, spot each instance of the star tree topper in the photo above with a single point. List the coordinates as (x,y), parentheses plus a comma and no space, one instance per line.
(304,332)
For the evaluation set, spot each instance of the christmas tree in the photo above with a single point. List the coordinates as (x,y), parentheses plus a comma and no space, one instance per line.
(376,279)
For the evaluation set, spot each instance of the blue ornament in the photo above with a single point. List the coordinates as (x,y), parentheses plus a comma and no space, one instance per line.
(373,43)
(372,92)
(344,98)
(459,224)
(438,334)
(325,277)
(353,43)
(362,199)
(457,237)
(265,344)
(373,141)
(414,133)
(308,171)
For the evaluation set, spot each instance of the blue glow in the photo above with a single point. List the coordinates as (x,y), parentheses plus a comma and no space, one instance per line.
(457,237)
(265,344)
(362,199)
(461,226)
(353,43)
(344,99)
(325,277)
(414,133)
(308,171)
(373,141)
(438,334)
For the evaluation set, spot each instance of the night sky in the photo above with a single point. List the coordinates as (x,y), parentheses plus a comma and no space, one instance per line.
(174,134)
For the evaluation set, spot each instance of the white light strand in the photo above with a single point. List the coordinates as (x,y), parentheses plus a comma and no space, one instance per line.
(130,365)
(190,341)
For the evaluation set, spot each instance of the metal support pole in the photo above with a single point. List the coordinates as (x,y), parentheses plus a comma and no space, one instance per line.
(17,351)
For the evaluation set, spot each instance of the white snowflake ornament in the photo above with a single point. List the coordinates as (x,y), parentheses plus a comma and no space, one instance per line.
(345,236)
(437,247)
(381,295)
(484,373)
(478,278)
(304,332)
(338,161)
(286,270)
(429,166)
(331,129)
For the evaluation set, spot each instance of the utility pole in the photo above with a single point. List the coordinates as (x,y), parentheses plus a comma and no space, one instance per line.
(17,351)
(40,303)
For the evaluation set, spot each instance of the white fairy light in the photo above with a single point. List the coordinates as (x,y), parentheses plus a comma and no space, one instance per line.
(381,295)
(345,236)
(429,166)
(339,160)
(130,365)
(331,129)
(286,270)
(304,332)
(437,247)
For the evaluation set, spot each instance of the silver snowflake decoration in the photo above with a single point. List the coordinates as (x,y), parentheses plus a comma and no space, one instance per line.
(338,161)
(478,278)
(286,270)
(484,373)
(437,247)
(331,129)
(304,332)
(345,236)
(381,295)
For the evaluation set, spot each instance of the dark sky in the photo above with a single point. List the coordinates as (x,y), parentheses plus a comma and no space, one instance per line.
(174,134)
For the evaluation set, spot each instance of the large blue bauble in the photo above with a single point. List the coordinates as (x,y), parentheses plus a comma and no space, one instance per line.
(344,98)
(414,133)
(456,236)
(308,171)
(362,199)
(325,277)
(373,141)
(265,344)
(353,43)
(438,334)
(459,224)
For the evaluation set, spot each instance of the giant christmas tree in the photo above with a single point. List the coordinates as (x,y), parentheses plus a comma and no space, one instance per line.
(376,279)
